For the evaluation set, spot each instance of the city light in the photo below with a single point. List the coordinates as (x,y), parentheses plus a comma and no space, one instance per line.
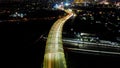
(70,10)
(60,33)
(67,4)
(16,14)
(56,6)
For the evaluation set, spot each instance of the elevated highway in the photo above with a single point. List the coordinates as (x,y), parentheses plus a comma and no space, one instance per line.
(54,54)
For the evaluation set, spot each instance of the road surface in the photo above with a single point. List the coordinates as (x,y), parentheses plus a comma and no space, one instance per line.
(54,53)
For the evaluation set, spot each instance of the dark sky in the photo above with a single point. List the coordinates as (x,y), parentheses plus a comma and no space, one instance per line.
(9,0)
(16,0)
(19,0)
(31,0)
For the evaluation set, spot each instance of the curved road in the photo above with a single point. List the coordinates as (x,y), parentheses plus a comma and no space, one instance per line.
(54,53)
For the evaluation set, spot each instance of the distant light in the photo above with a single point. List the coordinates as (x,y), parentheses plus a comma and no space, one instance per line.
(16,14)
(56,6)
(67,4)
(71,29)
(106,3)
(70,10)
(74,15)
(118,4)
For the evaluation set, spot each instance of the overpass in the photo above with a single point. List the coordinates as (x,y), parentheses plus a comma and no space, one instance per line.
(54,54)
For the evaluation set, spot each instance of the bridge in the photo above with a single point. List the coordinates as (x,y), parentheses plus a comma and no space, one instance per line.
(54,54)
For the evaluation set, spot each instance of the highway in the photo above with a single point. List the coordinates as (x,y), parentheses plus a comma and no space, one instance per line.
(93,51)
(54,54)
(92,47)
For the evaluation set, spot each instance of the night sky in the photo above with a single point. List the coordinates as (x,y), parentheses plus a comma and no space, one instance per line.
(44,1)
(31,0)
(18,0)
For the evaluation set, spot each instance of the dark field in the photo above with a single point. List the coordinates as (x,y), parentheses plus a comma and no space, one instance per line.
(23,48)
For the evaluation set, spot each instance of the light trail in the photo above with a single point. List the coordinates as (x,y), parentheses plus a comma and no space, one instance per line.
(54,54)
(94,51)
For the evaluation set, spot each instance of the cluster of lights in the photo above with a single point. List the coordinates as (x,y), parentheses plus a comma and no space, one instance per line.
(104,2)
(16,14)
(61,5)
